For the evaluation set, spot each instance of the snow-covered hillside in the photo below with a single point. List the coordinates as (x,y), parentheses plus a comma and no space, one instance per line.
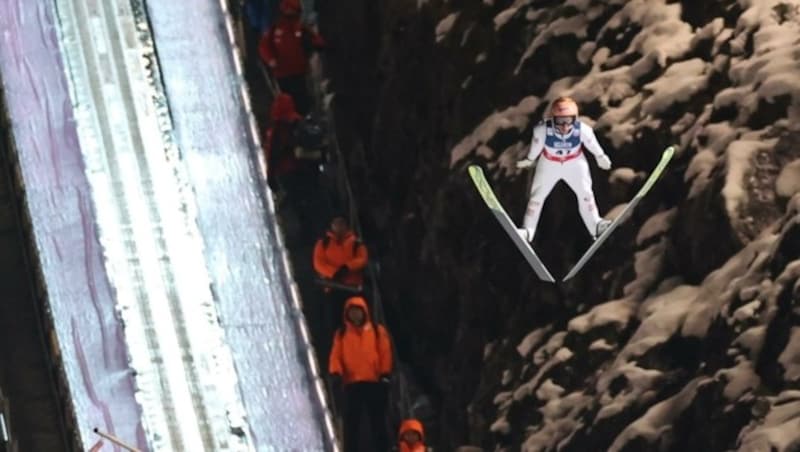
(681,334)
(712,366)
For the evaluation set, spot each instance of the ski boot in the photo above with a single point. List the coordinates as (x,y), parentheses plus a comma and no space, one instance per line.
(602,225)
(526,234)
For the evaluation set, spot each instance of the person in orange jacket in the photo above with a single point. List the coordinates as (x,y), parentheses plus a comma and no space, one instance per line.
(361,359)
(286,47)
(411,437)
(339,258)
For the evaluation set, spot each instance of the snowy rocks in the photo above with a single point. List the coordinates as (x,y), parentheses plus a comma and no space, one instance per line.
(444,26)
(788,182)
(703,231)
(613,315)
(790,357)
(788,246)
(776,429)
(676,334)
(681,364)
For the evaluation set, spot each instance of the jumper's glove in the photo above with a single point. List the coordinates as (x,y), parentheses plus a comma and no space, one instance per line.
(603,162)
(524,164)
(341,273)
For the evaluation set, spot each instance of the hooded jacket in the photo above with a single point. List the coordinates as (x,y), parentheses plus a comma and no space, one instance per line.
(360,354)
(331,253)
(411,425)
(279,141)
(287,45)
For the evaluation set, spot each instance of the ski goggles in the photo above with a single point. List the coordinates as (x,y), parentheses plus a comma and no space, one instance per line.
(564,120)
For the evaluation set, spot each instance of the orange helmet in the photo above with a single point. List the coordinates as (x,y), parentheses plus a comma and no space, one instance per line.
(564,106)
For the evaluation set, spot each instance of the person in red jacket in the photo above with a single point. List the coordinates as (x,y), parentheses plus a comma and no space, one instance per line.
(292,171)
(339,259)
(361,359)
(411,437)
(286,47)
(279,142)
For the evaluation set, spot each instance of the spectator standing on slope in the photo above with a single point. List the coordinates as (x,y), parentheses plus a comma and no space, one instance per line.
(286,48)
(361,363)
(411,437)
(339,260)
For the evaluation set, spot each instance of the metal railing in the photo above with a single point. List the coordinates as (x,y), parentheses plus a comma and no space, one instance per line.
(113,440)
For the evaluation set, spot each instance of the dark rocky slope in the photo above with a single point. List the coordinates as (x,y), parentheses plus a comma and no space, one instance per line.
(697,347)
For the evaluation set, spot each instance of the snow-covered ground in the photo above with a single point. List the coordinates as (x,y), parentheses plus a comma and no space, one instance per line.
(741,295)
(154,254)
(257,300)
(58,198)
(178,322)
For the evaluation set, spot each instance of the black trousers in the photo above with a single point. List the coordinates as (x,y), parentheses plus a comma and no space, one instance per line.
(370,399)
(296,87)
(305,200)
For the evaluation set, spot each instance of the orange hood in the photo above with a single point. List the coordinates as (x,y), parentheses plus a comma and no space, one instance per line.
(361,354)
(345,236)
(411,425)
(359,302)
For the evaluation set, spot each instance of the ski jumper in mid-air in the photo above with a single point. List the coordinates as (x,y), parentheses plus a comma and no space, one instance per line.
(558,143)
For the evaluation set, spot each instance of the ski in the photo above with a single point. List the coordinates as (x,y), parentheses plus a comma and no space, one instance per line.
(486,192)
(666,156)
(339,286)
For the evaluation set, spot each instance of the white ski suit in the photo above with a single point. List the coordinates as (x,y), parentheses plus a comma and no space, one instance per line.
(562,158)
